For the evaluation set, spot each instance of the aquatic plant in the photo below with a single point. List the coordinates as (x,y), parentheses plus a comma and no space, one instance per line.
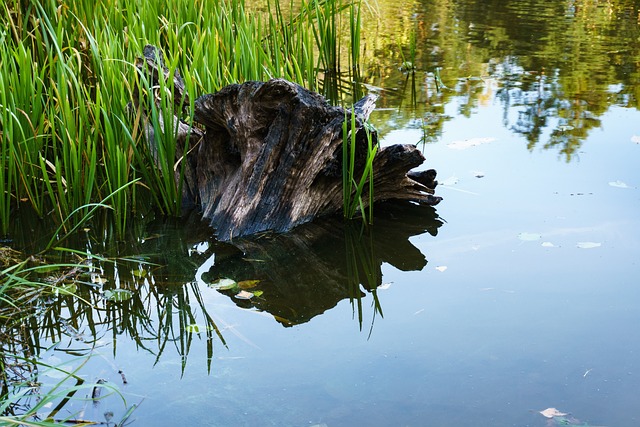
(27,287)
(68,72)
(353,187)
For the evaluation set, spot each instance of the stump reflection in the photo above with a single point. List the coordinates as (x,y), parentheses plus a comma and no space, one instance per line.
(309,270)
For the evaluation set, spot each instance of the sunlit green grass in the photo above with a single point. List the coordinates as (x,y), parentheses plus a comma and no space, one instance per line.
(70,144)
(67,74)
(357,191)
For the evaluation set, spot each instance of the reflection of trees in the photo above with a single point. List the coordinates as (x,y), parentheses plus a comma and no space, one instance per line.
(538,100)
(560,64)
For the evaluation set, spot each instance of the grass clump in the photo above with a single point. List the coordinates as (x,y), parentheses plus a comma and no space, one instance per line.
(67,73)
(357,180)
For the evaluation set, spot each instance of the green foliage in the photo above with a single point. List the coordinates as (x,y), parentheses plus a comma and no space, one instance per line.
(70,386)
(353,187)
(67,74)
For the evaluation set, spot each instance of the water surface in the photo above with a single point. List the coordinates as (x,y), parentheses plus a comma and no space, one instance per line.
(519,293)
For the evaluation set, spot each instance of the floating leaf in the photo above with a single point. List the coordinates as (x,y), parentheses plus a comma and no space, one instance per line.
(118,295)
(224,284)
(618,184)
(98,280)
(139,273)
(67,289)
(192,328)
(244,295)
(257,293)
(468,143)
(529,237)
(588,245)
(552,412)
(282,320)
(248,284)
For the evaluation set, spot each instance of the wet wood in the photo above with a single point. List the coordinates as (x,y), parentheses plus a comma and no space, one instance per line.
(269,156)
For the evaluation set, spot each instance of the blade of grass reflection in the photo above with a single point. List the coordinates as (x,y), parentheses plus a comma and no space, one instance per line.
(210,327)
(353,280)
(363,268)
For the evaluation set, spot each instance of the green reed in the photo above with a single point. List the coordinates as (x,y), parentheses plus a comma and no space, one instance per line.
(355,24)
(353,187)
(291,35)
(67,75)
(7,160)
(50,404)
(22,124)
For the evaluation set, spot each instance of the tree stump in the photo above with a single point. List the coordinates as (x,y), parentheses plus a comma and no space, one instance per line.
(271,156)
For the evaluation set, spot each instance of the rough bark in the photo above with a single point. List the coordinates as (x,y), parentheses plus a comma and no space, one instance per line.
(271,156)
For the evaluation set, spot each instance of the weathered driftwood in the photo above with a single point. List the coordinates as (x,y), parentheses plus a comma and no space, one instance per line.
(270,155)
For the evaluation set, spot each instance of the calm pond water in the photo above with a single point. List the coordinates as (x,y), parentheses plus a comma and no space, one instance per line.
(520,293)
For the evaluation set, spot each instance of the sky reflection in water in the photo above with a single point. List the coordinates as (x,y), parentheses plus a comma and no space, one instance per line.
(513,323)
(498,324)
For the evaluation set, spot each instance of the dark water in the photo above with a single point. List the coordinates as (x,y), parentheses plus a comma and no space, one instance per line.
(520,293)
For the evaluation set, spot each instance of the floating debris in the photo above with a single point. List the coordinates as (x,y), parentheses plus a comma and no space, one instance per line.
(588,245)
(224,284)
(618,184)
(468,143)
(529,237)
(244,295)
(552,412)
(124,379)
(97,389)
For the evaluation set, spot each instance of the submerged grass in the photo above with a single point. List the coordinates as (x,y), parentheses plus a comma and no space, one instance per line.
(44,303)
(28,285)
(67,74)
